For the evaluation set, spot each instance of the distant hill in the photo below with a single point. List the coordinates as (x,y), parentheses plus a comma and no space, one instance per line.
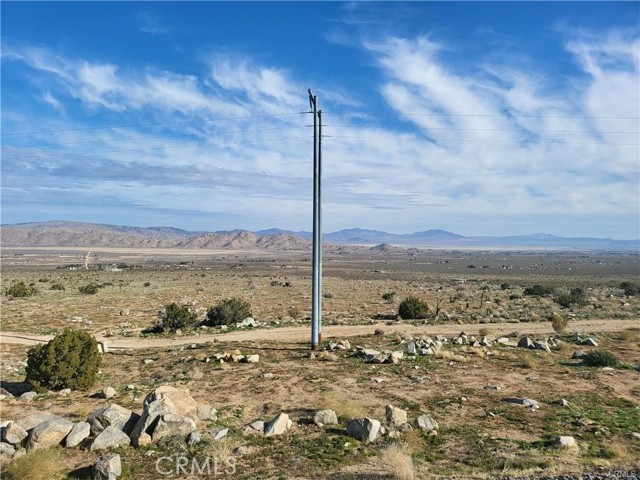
(82,234)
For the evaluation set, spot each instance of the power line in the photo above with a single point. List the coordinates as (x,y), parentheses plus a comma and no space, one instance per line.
(60,154)
(479,140)
(405,114)
(153,138)
(491,130)
(151,124)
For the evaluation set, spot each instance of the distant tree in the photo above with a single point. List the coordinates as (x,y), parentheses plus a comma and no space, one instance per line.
(177,317)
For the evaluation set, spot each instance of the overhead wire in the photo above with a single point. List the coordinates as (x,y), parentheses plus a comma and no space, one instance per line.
(64,154)
(110,127)
(224,132)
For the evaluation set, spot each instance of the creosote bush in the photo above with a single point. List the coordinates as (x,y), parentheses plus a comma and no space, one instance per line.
(90,289)
(231,310)
(538,291)
(413,307)
(630,289)
(177,317)
(600,358)
(575,297)
(70,360)
(21,290)
(57,286)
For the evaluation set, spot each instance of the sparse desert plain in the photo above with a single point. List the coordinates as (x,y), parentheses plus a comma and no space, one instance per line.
(460,365)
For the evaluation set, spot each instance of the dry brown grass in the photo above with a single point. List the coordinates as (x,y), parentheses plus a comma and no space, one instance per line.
(559,323)
(343,407)
(397,461)
(46,464)
(222,449)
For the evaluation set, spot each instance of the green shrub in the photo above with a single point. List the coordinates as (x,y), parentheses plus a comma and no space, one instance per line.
(21,290)
(413,307)
(70,360)
(600,358)
(231,310)
(630,289)
(576,297)
(177,317)
(57,286)
(89,289)
(538,291)
(389,296)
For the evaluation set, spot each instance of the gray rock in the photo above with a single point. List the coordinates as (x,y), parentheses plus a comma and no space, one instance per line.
(141,433)
(194,438)
(20,452)
(325,417)
(526,402)
(590,342)
(7,449)
(207,412)
(176,400)
(426,423)
(578,354)
(49,433)
(65,392)
(112,415)
(13,433)
(28,396)
(108,392)
(172,424)
(395,415)
(277,425)
(5,394)
(566,442)
(107,467)
(365,429)
(395,357)
(257,425)
(411,348)
(219,434)
(78,433)
(267,375)
(562,402)
(30,421)
(542,345)
(108,438)
(526,342)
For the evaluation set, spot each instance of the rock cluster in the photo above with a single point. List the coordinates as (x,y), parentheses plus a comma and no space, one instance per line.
(374,356)
(167,411)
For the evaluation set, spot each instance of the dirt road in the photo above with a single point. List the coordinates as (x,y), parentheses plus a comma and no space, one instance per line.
(302,333)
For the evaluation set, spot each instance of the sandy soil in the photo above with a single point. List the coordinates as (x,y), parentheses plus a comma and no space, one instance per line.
(300,334)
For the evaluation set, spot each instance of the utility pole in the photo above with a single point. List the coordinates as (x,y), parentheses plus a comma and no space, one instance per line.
(316,281)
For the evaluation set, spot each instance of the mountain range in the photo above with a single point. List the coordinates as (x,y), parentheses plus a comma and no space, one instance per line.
(82,234)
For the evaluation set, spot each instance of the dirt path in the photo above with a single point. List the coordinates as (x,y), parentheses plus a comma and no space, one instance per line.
(302,333)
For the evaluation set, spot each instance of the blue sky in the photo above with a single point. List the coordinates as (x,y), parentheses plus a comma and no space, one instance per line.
(481,118)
